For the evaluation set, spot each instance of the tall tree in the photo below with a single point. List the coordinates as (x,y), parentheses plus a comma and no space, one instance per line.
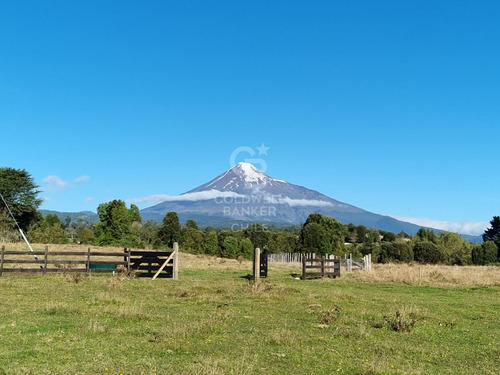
(329,239)
(211,242)
(258,234)
(192,237)
(135,213)
(21,194)
(115,227)
(170,231)
(493,233)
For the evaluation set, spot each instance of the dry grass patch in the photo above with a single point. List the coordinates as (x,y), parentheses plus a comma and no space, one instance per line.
(209,262)
(436,275)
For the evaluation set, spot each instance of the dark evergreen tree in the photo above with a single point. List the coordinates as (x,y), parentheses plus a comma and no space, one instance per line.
(493,233)
(170,231)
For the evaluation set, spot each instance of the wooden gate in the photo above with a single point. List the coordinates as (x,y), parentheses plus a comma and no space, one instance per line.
(148,263)
(320,267)
(263,264)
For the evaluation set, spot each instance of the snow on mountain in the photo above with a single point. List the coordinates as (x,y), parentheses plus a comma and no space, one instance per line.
(243,176)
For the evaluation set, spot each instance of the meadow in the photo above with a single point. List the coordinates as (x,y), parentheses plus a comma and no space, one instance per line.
(396,319)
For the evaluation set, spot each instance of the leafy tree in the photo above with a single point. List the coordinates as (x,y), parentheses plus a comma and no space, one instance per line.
(211,243)
(282,242)
(147,232)
(329,239)
(192,237)
(396,251)
(352,233)
(191,224)
(403,234)
(425,234)
(20,193)
(135,214)
(388,236)
(231,247)
(457,250)
(246,248)
(361,232)
(170,231)
(493,233)
(314,239)
(428,252)
(485,253)
(258,234)
(49,230)
(115,227)
(87,236)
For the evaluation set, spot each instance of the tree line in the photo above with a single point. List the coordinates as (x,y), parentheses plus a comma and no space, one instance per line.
(120,225)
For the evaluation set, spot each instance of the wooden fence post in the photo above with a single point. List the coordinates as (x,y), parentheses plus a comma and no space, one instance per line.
(45,256)
(256,264)
(88,260)
(127,258)
(304,259)
(1,260)
(175,267)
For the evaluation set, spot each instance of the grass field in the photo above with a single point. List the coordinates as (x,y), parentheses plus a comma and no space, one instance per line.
(213,321)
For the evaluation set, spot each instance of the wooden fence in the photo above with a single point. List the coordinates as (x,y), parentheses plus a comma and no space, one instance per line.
(349,263)
(91,262)
(320,267)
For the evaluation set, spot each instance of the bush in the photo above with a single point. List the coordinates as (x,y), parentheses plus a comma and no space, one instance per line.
(428,252)
(485,253)
(396,251)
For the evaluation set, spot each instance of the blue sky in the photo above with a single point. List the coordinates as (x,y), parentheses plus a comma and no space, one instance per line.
(392,106)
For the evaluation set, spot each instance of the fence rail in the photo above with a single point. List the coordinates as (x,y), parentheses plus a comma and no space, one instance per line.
(320,267)
(364,263)
(165,264)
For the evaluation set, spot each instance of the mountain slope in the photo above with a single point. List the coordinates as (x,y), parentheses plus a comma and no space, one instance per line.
(244,194)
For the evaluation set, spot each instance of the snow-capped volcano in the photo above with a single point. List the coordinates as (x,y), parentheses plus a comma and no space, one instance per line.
(241,176)
(245,194)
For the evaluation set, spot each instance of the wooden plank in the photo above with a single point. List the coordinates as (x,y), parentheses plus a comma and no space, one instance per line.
(1,260)
(66,253)
(45,256)
(127,256)
(175,270)
(13,252)
(21,261)
(151,268)
(104,254)
(150,253)
(87,265)
(37,270)
(60,261)
(163,265)
(304,261)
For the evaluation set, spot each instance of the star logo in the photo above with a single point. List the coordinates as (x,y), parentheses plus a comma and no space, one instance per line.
(262,149)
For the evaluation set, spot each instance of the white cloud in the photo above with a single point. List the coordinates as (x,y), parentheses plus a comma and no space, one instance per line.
(89,199)
(279,199)
(307,202)
(214,194)
(81,179)
(198,196)
(55,181)
(464,227)
(45,199)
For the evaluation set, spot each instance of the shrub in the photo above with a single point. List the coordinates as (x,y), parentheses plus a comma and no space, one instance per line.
(428,252)
(485,253)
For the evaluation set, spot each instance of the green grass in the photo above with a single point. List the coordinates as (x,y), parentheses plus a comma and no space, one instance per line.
(215,322)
